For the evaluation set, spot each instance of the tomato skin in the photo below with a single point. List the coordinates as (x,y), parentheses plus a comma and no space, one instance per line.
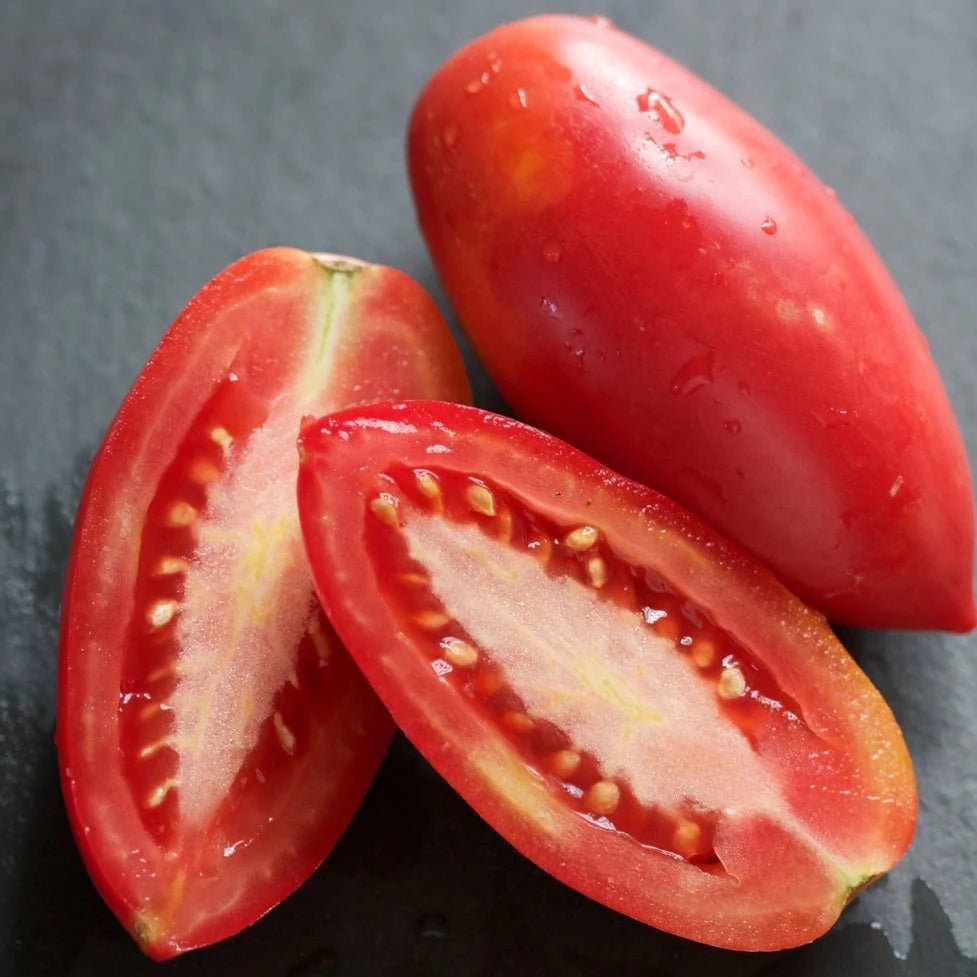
(783,895)
(647,272)
(254,319)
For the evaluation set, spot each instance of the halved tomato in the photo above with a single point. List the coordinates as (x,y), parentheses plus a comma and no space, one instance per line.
(634,703)
(214,737)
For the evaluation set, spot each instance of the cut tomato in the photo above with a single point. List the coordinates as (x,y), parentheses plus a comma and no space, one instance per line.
(214,737)
(648,273)
(635,704)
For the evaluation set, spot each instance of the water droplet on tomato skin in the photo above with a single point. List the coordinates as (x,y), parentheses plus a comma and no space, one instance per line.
(747,162)
(662,107)
(583,95)
(769,226)
(732,426)
(597,20)
(552,252)
(449,136)
(519,99)
(694,374)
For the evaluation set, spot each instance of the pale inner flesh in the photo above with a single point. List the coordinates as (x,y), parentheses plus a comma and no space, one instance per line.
(595,670)
(248,601)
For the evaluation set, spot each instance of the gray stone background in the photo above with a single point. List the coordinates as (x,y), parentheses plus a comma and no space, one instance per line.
(144,145)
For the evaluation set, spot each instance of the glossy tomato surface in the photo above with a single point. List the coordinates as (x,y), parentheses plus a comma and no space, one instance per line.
(214,737)
(635,704)
(648,273)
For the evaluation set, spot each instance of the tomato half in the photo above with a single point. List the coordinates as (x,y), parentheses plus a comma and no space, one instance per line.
(635,704)
(647,272)
(214,737)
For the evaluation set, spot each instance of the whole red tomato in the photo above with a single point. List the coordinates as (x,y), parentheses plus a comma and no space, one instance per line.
(650,274)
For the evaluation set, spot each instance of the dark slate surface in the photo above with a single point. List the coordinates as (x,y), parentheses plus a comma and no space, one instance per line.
(144,145)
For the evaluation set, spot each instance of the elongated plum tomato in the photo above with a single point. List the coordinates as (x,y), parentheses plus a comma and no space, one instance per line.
(635,704)
(648,273)
(214,737)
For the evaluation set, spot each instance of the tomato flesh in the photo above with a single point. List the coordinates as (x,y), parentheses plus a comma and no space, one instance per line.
(215,737)
(575,658)
(649,274)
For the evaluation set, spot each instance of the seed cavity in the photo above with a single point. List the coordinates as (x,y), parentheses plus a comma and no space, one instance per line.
(180,515)
(480,499)
(597,571)
(602,797)
(459,653)
(285,736)
(160,613)
(732,683)
(384,507)
(581,539)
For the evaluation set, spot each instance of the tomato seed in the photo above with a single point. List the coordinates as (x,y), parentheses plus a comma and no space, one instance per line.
(285,736)
(580,539)
(602,797)
(221,437)
(160,613)
(384,507)
(158,794)
(459,653)
(167,566)
(597,571)
(432,620)
(428,485)
(180,515)
(732,683)
(686,837)
(563,763)
(204,471)
(480,499)
(704,653)
(518,722)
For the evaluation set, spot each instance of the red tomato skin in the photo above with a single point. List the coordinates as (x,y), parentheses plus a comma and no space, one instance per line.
(778,900)
(397,343)
(647,272)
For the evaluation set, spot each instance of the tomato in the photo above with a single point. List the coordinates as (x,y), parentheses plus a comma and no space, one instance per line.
(648,273)
(214,737)
(636,705)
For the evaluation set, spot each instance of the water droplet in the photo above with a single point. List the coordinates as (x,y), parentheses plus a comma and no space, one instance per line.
(549,306)
(747,162)
(597,21)
(552,251)
(583,95)
(668,116)
(733,426)
(694,374)
(768,225)
(744,388)
(495,62)
(449,135)
(433,926)
(830,191)
(477,84)
(518,99)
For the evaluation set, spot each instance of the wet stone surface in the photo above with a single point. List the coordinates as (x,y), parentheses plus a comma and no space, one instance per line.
(145,147)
